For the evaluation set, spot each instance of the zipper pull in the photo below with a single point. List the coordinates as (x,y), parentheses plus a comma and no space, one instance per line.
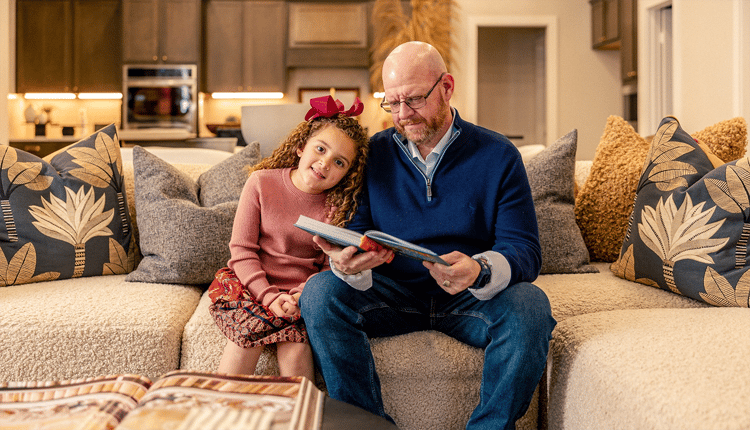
(429,190)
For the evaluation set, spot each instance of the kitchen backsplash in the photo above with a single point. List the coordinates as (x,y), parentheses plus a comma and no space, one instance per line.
(211,111)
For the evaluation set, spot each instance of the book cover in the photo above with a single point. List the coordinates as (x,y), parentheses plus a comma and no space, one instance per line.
(179,400)
(370,240)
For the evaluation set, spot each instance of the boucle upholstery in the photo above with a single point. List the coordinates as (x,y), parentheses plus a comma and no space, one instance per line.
(92,326)
(667,369)
(572,295)
(426,371)
(614,354)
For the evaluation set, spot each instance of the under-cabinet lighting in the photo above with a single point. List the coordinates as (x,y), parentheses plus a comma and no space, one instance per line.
(100,96)
(12,96)
(247,95)
(379,95)
(49,96)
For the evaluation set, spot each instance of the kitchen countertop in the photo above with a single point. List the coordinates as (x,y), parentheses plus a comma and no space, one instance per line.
(140,135)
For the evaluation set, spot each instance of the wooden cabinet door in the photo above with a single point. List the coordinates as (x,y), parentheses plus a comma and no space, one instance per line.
(97,47)
(605,27)
(263,63)
(629,40)
(245,43)
(180,33)
(44,46)
(140,31)
(224,41)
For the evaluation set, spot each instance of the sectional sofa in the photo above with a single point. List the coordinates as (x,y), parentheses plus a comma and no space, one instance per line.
(624,355)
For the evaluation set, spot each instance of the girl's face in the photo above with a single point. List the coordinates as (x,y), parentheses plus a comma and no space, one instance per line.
(324,161)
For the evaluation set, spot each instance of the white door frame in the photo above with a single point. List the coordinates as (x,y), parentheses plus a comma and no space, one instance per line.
(549,24)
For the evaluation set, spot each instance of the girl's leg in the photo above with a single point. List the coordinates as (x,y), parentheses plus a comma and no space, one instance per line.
(239,360)
(295,359)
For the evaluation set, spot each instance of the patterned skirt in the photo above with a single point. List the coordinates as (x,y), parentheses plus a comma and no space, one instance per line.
(246,322)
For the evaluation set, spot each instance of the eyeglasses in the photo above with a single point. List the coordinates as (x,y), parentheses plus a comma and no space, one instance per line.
(413,102)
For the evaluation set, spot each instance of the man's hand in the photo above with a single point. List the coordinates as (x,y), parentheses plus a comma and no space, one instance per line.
(460,275)
(285,306)
(348,261)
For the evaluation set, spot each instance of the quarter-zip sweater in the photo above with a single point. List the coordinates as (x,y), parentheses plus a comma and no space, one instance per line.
(476,199)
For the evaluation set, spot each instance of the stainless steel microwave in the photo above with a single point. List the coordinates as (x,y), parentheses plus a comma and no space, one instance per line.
(160,96)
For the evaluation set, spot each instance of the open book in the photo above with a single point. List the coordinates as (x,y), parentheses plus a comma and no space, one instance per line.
(372,240)
(180,400)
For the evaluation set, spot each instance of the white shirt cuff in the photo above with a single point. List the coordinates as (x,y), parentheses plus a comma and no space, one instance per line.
(500,276)
(359,281)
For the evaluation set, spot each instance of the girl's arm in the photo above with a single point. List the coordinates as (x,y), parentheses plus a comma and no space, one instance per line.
(244,245)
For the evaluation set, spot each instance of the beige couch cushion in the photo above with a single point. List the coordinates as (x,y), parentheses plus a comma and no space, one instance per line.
(86,327)
(578,294)
(428,379)
(659,369)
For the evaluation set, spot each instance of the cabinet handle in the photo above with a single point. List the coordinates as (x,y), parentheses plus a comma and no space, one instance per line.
(163,58)
(632,74)
(155,58)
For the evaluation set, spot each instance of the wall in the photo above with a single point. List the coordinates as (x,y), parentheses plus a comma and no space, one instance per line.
(4,69)
(711,62)
(588,81)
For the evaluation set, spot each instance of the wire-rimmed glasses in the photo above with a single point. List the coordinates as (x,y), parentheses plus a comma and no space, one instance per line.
(413,102)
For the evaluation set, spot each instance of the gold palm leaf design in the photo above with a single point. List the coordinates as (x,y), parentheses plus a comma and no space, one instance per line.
(682,233)
(624,268)
(719,291)
(667,173)
(21,268)
(733,195)
(120,261)
(430,22)
(26,174)
(663,135)
(74,221)
(100,167)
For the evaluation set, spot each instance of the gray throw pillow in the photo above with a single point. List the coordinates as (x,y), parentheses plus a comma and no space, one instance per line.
(551,176)
(184,225)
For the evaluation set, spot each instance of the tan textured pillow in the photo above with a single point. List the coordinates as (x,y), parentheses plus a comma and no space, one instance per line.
(604,203)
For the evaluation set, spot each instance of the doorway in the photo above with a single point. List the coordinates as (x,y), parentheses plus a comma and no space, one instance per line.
(510,83)
(512,77)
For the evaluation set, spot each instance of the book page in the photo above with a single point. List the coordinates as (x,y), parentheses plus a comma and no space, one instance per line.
(336,235)
(192,400)
(84,404)
(403,247)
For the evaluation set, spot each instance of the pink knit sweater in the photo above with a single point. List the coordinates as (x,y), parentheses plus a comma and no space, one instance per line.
(269,255)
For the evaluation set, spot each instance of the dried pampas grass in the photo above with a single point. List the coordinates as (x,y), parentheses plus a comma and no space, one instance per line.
(430,22)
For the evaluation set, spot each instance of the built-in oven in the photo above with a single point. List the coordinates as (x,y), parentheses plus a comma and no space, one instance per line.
(160,96)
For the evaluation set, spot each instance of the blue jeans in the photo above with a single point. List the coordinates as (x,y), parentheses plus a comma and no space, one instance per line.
(514,328)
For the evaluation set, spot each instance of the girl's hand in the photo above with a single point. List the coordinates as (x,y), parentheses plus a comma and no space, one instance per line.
(285,306)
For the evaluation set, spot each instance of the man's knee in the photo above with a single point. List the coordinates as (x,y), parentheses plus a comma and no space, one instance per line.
(318,292)
(529,307)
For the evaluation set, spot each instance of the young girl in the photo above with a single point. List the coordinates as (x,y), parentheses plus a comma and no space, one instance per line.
(318,172)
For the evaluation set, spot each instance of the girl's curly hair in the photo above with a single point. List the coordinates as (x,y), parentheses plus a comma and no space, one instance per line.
(342,198)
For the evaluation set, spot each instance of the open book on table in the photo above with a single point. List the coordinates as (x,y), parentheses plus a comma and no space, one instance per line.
(371,240)
(179,400)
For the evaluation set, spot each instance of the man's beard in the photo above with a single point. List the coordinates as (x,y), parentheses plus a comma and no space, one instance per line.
(432,127)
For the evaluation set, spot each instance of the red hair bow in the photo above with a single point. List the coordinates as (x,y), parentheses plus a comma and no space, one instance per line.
(327,107)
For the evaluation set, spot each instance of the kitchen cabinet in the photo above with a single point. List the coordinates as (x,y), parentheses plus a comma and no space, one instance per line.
(629,40)
(605,25)
(245,43)
(68,46)
(329,34)
(161,31)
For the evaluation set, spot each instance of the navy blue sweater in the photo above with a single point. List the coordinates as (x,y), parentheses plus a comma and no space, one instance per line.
(478,199)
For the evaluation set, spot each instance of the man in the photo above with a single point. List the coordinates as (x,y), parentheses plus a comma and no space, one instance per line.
(461,191)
